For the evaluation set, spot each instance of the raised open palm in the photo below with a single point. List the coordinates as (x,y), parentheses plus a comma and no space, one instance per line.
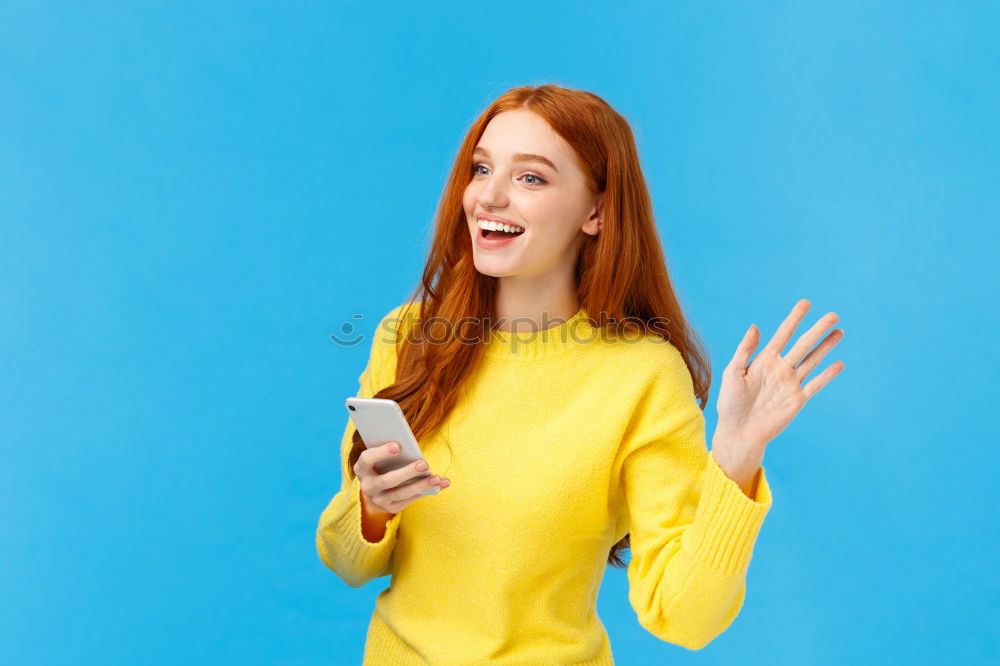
(758,401)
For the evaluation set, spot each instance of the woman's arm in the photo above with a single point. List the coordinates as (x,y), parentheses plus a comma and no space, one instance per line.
(694,516)
(352,541)
(355,547)
(692,528)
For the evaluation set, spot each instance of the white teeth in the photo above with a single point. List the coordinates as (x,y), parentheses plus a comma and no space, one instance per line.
(495,226)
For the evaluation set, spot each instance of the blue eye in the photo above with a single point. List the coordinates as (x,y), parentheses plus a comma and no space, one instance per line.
(538,179)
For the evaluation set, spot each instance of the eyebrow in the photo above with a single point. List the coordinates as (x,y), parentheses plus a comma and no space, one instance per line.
(522,157)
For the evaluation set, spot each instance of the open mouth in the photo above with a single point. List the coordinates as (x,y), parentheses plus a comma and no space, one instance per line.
(487,233)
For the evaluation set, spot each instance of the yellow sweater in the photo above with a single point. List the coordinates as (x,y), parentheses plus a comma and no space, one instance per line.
(563,441)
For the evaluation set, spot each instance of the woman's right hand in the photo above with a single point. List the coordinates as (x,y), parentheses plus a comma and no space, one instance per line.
(382,492)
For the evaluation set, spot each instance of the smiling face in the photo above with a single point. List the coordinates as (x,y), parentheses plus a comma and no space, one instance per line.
(550,202)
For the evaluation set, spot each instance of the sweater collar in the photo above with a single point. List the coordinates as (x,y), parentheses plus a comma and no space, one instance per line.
(527,345)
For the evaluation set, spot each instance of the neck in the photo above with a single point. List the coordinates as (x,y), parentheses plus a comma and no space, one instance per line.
(533,304)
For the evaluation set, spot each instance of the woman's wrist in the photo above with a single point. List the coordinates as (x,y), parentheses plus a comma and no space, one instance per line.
(739,462)
(373,521)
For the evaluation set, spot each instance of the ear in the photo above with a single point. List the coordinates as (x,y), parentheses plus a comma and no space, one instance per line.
(595,222)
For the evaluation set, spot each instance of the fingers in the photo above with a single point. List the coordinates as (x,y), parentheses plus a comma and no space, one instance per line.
(397,488)
(744,350)
(809,338)
(405,493)
(813,358)
(821,380)
(368,458)
(787,327)
(397,476)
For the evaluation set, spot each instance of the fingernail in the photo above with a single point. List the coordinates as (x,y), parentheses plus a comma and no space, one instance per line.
(394,448)
(421,465)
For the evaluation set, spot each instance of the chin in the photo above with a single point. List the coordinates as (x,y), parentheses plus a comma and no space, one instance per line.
(495,269)
(494,266)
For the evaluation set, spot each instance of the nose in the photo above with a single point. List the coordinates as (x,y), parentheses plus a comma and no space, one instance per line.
(492,193)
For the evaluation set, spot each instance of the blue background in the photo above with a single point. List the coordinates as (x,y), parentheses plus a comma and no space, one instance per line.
(194,198)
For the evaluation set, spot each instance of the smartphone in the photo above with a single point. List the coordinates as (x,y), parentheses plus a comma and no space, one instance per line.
(380,421)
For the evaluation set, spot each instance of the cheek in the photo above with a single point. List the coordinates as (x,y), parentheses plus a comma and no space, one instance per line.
(548,215)
(471,193)
(469,202)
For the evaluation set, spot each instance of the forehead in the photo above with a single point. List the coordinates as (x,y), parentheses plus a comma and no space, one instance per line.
(523,131)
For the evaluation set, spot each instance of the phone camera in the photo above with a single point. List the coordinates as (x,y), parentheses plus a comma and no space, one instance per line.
(351,407)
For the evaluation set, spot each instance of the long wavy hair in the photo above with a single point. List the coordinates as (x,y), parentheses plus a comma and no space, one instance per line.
(621,271)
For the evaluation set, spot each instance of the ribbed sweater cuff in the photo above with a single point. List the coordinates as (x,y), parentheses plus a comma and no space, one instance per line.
(726,522)
(347,521)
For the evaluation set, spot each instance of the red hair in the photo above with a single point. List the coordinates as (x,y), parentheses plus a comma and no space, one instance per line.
(620,272)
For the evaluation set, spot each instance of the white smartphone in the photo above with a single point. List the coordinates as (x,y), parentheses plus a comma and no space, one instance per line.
(381,421)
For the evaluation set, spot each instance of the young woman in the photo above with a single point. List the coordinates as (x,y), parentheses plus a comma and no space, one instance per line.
(546,368)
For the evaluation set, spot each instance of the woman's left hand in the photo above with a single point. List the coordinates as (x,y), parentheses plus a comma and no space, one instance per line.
(758,401)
